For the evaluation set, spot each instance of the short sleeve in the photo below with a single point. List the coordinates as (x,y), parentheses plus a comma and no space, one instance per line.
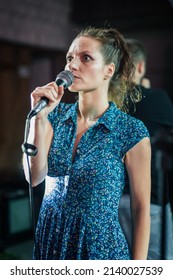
(133,131)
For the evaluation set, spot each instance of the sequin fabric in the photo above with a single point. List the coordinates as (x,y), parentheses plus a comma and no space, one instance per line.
(79,214)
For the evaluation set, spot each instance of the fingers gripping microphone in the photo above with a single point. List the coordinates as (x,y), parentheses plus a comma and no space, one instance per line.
(65,79)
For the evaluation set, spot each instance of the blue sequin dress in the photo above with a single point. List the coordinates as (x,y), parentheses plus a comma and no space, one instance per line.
(79,214)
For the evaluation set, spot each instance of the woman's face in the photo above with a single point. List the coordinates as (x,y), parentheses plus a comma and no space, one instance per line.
(86,62)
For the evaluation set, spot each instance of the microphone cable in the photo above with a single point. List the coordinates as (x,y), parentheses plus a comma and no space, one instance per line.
(30,150)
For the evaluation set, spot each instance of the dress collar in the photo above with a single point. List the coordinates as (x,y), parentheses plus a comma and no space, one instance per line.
(107,119)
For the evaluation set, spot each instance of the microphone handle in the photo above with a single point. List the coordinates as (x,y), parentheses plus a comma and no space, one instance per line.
(38,107)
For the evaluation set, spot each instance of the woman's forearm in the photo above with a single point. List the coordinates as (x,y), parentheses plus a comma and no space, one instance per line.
(141,234)
(38,163)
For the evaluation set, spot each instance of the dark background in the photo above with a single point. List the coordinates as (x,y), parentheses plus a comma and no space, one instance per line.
(34,38)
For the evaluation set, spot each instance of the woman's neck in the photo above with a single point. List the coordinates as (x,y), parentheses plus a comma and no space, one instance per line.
(92,107)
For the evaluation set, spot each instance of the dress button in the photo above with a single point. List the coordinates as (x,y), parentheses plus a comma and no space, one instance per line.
(78,151)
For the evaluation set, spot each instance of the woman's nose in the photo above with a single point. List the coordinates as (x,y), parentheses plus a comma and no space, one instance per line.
(74,64)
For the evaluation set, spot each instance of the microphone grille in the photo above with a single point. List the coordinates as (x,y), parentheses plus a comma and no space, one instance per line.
(66,76)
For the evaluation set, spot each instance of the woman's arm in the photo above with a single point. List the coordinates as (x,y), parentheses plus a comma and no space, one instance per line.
(41,132)
(138,164)
(41,136)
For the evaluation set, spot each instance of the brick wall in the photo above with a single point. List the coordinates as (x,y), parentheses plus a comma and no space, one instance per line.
(37,22)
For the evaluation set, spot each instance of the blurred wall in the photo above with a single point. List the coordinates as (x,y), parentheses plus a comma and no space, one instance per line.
(36,22)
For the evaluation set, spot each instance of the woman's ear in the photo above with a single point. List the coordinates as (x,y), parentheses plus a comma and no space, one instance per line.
(110,69)
(141,67)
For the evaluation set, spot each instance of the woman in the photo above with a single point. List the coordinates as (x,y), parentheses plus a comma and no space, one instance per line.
(87,151)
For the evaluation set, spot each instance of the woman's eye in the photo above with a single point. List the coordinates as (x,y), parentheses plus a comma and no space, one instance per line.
(69,58)
(86,57)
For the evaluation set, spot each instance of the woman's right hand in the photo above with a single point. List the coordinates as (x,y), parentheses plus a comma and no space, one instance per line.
(51,91)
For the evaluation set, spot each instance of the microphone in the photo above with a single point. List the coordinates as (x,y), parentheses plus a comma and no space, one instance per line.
(65,79)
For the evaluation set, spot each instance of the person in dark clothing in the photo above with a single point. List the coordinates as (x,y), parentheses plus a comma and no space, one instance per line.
(156,111)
